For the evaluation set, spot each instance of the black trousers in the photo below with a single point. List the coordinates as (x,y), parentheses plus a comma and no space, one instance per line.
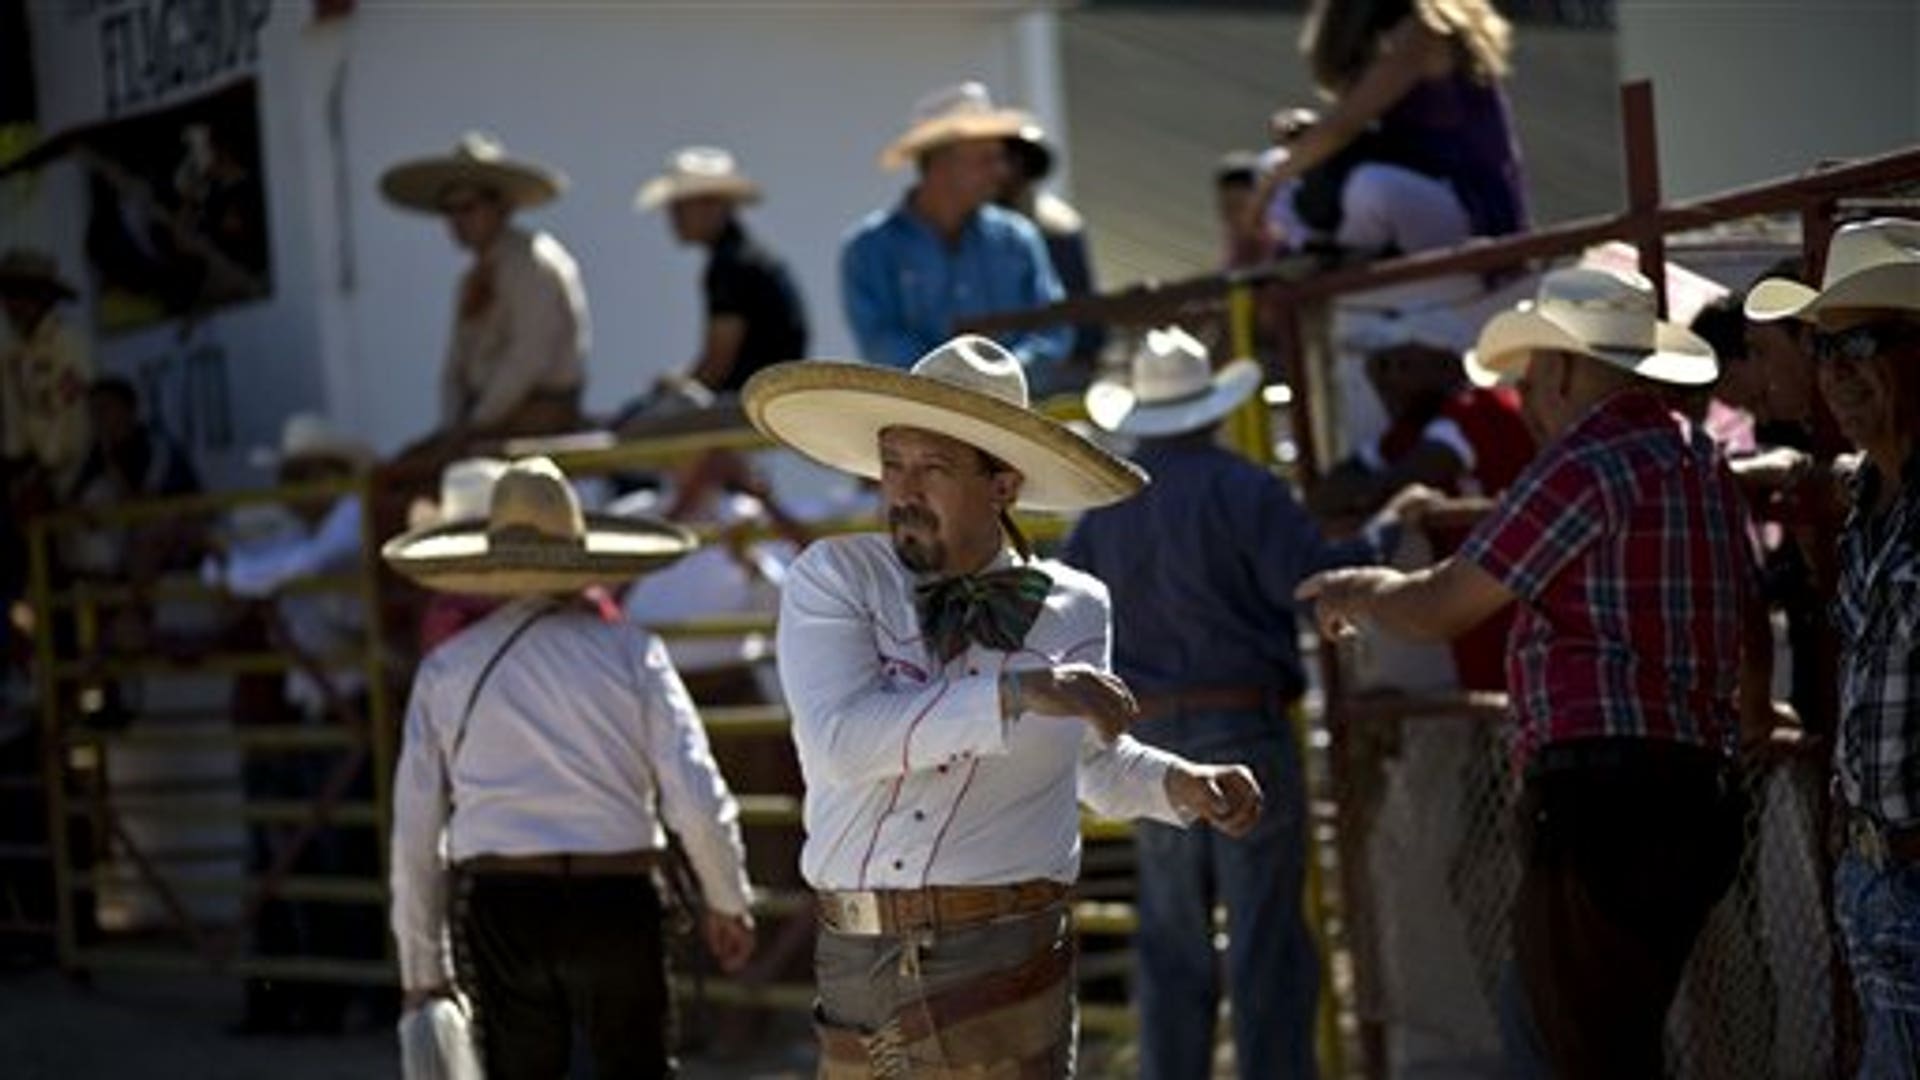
(545,955)
(1628,844)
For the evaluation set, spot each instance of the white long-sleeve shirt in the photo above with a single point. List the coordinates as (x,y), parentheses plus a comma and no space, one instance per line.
(913,779)
(322,624)
(582,740)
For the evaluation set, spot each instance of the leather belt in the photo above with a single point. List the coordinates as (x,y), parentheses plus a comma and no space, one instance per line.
(567,864)
(1209,697)
(1879,845)
(887,912)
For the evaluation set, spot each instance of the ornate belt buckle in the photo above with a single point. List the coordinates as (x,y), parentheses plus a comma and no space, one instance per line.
(859,912)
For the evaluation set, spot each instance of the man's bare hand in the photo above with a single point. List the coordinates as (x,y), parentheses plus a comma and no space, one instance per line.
(1224,796)
(730,939)
(1339,597)
(1081,690)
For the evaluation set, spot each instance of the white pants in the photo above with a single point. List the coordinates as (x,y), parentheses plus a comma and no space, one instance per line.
(1381,207)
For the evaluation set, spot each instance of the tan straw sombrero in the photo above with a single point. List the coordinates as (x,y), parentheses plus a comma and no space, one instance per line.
(694,172)
(477,160)
(1171,388)
(1871,265)
(535,539)
(969,389)
(952,114)
(29,270)
(1608,315)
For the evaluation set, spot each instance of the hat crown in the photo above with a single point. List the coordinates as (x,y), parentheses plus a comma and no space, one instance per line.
(1171,365)
(480,146)
(1606,309)
(979,364)
(534,505)
(308,434)
(1863,245)
(466,488)
(962,99)
(701,162)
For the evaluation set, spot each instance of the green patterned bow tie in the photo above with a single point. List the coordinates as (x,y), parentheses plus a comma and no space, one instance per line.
(995,609)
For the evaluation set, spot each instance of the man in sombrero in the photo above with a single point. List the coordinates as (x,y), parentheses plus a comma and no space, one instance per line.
(1639,654)
(952,707)
(546,746)
(516,359)
(44,373)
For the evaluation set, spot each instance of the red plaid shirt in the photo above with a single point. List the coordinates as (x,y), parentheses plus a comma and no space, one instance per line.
(1626,544)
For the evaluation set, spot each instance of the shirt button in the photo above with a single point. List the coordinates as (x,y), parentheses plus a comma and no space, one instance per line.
(919,815)
(943,768)
(898,865)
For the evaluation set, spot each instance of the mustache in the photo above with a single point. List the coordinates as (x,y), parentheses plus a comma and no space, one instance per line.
(911,515)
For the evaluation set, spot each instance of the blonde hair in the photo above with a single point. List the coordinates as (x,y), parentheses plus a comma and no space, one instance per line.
(1341,37)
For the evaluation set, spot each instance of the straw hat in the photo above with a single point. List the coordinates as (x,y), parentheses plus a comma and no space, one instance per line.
(1608,315)
(311,437)
(535,539)
(466,491)
(952,114)
(968,389)
(479,160)
(24,270)
(1870,264)
(1171,388)
(697,171)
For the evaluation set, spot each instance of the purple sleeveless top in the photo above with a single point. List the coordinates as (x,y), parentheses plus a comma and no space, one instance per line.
(1458,129)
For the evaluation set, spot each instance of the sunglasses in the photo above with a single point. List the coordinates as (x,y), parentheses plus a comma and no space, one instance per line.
(1858,344)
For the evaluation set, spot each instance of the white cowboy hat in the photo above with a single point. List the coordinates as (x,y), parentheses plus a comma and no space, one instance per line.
(1171,388)
(1608,315)
(697,171)
(952,114)
(1870,264)
(479,160)
(969,389)
(1372,330)
(309,436)
(535,539)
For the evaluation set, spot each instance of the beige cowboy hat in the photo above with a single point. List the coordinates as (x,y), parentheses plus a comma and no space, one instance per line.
(1608,315)
(535,539)
(952,114)
(477,160)
(694,172)
(31,270)
(311,437)
(970,389)
(466,492)
(1870,264)
(1171,388)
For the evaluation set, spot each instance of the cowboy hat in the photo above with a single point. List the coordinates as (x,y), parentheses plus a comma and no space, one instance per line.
(1372,330)
(1870,264)
(466,491)
(25,270)
(477,160)
(535,539)
(948,115)
(969,389)
(1607,315)
(312,437)
(697,171)
(1171,388)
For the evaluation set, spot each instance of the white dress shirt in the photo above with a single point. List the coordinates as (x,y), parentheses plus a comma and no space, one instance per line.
(913,779)
(323,624)
(582,740)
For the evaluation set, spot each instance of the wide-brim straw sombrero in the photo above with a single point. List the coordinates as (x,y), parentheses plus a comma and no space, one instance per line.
(535,540)
(698,172)
(1607,315)
(1871,266)
(969,389)
(949,115)
(1170,388)
(26,270)
(478,160)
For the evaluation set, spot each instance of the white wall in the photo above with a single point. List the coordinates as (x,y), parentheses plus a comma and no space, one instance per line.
(1747,91)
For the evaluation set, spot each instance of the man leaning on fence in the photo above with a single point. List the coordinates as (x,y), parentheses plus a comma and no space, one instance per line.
(952,705)
(1625,546)
(1866,345)
(551,742)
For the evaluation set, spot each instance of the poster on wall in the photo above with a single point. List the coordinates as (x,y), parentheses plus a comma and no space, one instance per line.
(177,212)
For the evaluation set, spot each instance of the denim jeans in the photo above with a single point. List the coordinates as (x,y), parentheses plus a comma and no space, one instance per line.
(1879,913)
(1272,971)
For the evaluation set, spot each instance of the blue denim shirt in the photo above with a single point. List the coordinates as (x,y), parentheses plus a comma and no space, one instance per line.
(1202,567)
(905,287)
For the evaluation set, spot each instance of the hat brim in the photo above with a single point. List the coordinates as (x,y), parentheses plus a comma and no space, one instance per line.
(938,132)
(420,185)
(1894,287)
(662,190)
(1679,357)
(1113,406)
(834,411)
(460,557)
(354,455)
(40,283)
